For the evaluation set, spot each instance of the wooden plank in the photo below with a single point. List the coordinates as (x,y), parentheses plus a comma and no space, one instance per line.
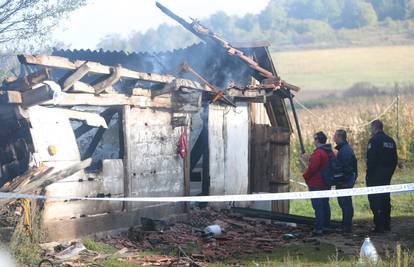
(126,117)
(216,144)
(25,83)
(78,74)
(91,119)
(97,68)
(141,92)
(236,168)
(55,176)
(10,97)
(102,84)
(31,174)
(81,87)
(110,100)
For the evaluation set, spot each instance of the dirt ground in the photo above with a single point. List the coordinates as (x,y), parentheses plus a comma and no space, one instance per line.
(402,232)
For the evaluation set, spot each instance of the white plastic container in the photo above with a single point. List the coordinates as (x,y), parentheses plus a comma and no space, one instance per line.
(214,230)
(368,252)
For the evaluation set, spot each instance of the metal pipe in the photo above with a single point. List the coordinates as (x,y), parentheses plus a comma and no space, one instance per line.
(295,116)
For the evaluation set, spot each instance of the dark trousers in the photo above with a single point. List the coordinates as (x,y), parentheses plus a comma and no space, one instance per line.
(380,205)
(322,211)
(347,208)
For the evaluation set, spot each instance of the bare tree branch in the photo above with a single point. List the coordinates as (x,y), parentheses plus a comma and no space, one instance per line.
(22,20)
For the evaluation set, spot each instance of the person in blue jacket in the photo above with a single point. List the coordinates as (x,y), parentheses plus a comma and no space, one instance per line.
(348,162)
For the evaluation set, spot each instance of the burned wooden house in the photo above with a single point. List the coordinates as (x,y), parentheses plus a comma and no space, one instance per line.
(111,124)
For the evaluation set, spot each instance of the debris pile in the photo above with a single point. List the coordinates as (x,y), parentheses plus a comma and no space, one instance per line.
(240,236)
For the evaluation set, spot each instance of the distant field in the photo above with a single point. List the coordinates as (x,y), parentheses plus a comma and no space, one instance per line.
(340,68)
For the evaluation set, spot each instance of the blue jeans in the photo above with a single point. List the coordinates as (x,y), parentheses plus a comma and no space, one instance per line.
(322,211)
(346,206)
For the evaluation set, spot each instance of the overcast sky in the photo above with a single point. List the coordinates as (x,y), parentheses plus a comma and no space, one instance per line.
(86,26)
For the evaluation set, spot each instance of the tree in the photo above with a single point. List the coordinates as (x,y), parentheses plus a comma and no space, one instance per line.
(358,14)
(272,17)
(22,20)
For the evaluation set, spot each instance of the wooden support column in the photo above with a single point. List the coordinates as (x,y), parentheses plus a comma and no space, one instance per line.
(187,163)
(127,154)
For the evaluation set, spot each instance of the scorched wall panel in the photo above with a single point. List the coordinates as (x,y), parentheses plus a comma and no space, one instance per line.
(156,168)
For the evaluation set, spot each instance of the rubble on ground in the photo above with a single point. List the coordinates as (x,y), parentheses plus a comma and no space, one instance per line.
(241,236)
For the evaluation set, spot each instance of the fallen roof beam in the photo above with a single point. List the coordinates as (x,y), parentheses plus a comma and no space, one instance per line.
(97,68)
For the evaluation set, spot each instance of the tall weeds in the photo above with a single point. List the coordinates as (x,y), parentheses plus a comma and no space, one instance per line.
(349,114)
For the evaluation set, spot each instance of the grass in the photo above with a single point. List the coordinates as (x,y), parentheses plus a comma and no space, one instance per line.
(99,246)
(340,68)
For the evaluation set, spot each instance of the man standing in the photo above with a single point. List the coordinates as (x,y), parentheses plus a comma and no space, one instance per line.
(313,178)
(348,162)
(382,160)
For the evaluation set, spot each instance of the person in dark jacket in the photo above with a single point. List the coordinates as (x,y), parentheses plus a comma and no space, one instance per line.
(382,160)
(348,162)
(313,178)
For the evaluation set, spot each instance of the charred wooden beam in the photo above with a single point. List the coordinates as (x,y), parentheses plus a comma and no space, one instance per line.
(108,80)
(37,96)
(212,38)
(25,83)
(97,68)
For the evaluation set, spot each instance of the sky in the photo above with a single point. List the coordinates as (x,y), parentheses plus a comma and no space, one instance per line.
(85,27)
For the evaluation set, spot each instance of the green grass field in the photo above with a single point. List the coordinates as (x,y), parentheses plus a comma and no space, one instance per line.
(340,68)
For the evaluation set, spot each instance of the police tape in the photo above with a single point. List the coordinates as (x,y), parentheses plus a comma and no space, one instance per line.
(400,188)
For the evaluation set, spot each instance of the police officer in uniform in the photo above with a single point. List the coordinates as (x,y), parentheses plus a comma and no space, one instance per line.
(381,163)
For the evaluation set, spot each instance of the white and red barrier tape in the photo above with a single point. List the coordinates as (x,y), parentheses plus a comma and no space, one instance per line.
(399,188)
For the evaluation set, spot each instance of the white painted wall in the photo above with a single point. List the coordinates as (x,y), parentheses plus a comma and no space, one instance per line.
(52,128)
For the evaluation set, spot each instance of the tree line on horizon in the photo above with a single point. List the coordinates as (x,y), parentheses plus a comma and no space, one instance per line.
(283,22)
